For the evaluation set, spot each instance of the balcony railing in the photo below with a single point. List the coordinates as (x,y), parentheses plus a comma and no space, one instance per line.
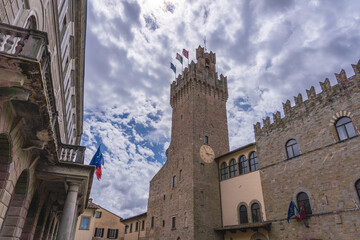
(32,44)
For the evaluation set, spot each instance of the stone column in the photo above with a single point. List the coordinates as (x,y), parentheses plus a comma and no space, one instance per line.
(67,218)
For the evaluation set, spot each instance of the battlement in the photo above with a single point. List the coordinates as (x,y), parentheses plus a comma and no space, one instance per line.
(199,77)
(301,107)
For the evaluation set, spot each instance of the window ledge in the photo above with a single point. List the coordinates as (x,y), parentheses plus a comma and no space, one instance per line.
(173,229)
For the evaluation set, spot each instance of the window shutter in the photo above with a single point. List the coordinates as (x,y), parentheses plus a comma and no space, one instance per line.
(117,232)
(95,232)
(102,232)
(108,234)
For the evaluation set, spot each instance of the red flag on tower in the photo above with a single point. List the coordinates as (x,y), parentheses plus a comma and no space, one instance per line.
(185,53)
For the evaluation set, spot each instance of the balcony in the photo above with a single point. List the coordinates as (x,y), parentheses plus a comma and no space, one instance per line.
(26,83)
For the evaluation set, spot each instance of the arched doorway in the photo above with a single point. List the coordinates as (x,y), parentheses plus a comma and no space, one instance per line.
(258,236)
(17,204)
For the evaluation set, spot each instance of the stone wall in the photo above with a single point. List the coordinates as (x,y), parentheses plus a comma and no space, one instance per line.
(326,168)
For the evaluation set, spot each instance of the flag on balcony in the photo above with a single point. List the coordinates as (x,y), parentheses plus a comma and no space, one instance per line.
(97,161)
(293,211)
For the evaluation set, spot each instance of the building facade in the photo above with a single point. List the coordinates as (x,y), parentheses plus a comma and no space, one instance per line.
(44,185)
(97,223)
(135,227)
(309,156)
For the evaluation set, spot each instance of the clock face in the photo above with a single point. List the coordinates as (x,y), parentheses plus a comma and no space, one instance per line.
(207,154)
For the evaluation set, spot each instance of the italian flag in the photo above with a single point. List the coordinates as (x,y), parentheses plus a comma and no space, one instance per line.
(179,57)
(293,211)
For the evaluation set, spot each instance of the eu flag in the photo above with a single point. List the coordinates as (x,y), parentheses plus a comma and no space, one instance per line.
(97,159)
(173,67)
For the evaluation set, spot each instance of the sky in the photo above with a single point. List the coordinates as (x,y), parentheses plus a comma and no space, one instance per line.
(269,50)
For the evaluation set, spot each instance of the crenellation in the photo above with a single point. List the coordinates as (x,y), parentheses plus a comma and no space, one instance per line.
(327,92)
(325,86)
(311,93)
(298,99)
(266,122)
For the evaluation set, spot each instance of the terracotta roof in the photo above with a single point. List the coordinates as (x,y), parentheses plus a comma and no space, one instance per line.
(266,225)
(235,150)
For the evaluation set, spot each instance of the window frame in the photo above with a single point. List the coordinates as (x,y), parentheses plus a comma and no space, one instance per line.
(173,223)
(224,171)
(131,226)
(343,126)
(142,225)
(233,168)
(255,212)
(112,233)
(290,145)
(307,204)
(206,142)
(174,181)
(137,226)
(99,230)
(87,224)
(96,214)
(253,158)
(243,164)
(243,216)
(152,222)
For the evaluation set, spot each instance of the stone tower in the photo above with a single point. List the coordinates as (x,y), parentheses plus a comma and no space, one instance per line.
(184,198)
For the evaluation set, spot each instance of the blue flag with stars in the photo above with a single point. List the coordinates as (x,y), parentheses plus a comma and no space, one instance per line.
(97,159)
(172,66)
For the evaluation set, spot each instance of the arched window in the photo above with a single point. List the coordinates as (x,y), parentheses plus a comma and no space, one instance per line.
(357,187)
(224,171)
(255,212)
(345,128)
(243,214)
(233,168)
(254,164)
(243,166)
(303,199)
(292,148)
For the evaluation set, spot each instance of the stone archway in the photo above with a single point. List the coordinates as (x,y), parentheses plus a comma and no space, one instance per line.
(13,221)
(5,159)
(30,221)
(258,236)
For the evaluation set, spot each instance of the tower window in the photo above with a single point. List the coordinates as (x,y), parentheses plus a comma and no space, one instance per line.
(163,223)
(206,140)
(357,186)
(142,225)
(303,200)
(292,148)
(174,181)
(233,168)
(243,165)
(173,223)
(255,212)
(243,214)
(345,128)
(224,171)
(254,164)
(152,222)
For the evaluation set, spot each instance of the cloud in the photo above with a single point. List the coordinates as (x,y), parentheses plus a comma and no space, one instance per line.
(270,51)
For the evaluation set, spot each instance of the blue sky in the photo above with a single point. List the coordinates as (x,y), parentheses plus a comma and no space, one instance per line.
(269,50)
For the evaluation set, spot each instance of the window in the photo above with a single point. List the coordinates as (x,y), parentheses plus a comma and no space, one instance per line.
(233,168)
(206,140)
(180,174)
(98,214)
(357,187)
(152,222)
(126,228)
(142,225)
(243,214)
(255,212)
(303,199)
(345,128)
(173,223)
(85,223)
(112,233)
(174,181)
(292,148)
(163,223)
(243,166)
(137,226)
(131,228)
(254,164)
(99,232)
(224,171)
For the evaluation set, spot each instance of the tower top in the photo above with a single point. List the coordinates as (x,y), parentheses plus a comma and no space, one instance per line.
(200,76)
